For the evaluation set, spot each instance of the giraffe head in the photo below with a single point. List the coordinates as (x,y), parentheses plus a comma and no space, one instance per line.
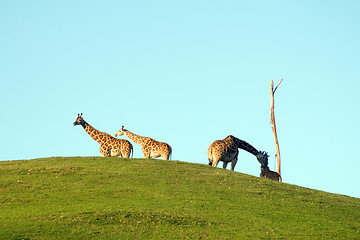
(79,120)
(262,157)
(121,132)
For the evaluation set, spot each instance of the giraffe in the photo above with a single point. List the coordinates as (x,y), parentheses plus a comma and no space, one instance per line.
(267,173)
(109,146)
(150,147)
(226,150)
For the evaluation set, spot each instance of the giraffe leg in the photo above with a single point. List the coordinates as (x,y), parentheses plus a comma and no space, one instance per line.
(165,156)
(105,151)
(225,164)
(214,156)
(233,163)
(146,153)
(125,152)
(168,152)
(215,163)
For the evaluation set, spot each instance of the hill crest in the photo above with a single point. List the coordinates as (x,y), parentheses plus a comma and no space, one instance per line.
(83,197)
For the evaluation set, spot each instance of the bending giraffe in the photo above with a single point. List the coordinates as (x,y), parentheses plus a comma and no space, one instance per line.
(150,147)
(109,146)
(226,150)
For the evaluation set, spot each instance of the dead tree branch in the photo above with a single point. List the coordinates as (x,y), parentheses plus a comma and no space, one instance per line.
(274,125)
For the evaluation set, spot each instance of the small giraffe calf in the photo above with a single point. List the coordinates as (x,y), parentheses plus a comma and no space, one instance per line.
(267,173)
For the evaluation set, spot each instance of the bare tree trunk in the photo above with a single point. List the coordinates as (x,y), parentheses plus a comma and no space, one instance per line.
(273,125)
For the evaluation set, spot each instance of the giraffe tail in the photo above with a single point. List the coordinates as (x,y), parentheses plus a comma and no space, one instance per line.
(170,152)
(131,151)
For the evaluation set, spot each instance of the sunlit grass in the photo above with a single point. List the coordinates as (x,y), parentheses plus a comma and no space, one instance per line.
(93,197)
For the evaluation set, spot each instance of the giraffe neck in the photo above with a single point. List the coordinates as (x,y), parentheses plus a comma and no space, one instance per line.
(93,132)
(246,146)
(136,138)
(264,168)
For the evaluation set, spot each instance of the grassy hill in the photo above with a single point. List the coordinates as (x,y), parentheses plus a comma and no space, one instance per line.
(114,198)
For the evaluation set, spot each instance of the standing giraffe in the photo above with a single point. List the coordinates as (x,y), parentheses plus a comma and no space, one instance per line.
(150,147)
(226,150)
(109,146)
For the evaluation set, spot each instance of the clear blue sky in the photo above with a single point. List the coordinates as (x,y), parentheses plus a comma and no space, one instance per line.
(187,73)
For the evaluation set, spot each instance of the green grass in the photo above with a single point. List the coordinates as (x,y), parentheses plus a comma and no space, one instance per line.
(114,198)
